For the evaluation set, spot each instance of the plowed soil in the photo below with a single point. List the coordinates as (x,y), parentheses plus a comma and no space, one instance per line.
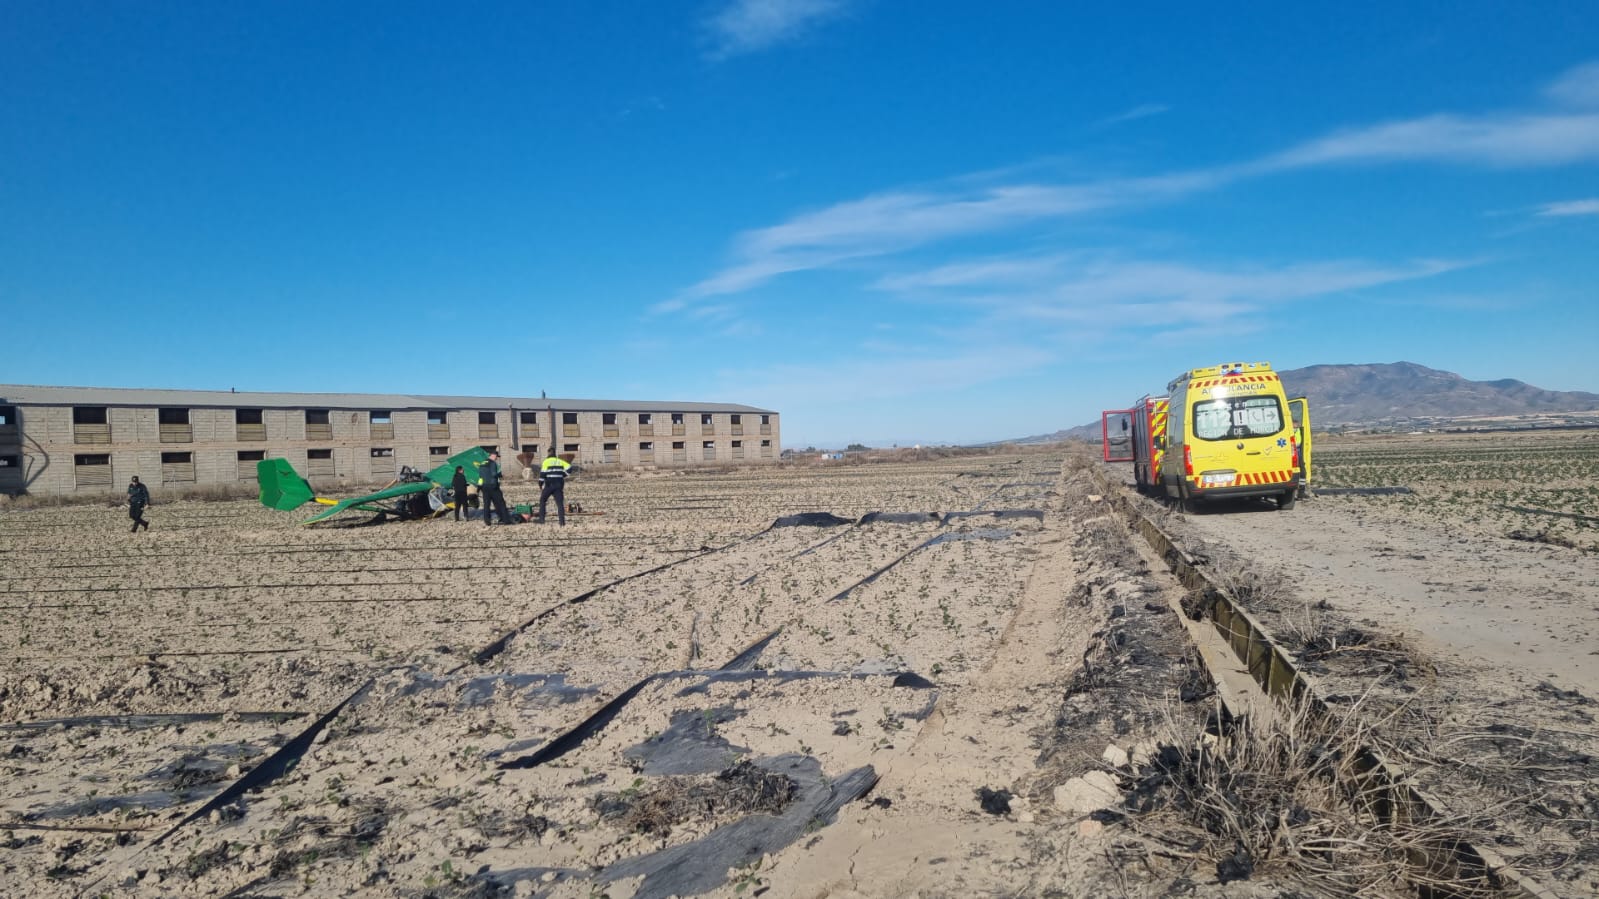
(688,691)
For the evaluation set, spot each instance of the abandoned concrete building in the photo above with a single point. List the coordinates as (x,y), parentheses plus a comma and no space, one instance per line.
(57,440)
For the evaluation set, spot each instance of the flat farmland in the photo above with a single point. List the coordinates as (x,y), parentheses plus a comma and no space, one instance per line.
(852,680)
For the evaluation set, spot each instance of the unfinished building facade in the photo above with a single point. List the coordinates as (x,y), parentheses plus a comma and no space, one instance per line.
(56,440)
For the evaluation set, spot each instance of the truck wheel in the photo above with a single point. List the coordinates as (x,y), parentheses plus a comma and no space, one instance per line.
(1285,500)
(1190,503)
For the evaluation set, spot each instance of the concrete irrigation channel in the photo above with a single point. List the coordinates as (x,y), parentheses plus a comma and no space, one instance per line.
(936,676)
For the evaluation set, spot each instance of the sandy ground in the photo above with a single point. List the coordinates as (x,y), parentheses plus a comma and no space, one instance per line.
(689,695)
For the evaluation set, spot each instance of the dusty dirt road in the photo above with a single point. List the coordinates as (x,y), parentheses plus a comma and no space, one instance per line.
(701,692)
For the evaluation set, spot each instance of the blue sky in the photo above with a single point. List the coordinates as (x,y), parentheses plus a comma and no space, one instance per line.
(892,222)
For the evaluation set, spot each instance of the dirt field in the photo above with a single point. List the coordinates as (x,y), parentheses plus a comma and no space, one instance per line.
(702,691)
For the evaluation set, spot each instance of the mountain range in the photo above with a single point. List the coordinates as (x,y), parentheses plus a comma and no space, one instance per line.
(1401,395)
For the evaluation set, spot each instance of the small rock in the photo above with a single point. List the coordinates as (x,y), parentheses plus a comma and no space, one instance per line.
(1114,756)
(1081,795)
(1088,827)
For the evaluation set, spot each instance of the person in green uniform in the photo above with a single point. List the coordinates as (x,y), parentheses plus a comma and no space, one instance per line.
(138,498)
(488,492)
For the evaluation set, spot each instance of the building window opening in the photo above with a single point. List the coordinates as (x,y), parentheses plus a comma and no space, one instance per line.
(90,425)
(249,424)
(92,469)
(247,464)
(174,425)
(177,468)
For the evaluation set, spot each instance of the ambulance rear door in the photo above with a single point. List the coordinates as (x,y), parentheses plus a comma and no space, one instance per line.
(1299,409)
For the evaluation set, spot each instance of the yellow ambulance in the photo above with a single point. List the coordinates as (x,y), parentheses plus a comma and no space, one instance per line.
(1230,432)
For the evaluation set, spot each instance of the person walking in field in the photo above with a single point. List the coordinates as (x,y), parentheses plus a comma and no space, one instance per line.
(489,495)
(458,491)
(552,475)
(138,498)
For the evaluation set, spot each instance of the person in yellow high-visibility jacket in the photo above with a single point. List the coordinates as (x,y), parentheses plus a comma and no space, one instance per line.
(552,475)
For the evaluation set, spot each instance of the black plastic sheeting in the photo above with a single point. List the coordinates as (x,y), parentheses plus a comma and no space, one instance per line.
(813,519)
(143,722)
(274,767)
(899,518)
(1035,514)
(981,534)
(810,520)
(535,690)
(689,745)
(597,722)
(702,865)
(602,718)
(188,778)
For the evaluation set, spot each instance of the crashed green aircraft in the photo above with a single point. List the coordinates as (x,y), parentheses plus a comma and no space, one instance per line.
(415,494)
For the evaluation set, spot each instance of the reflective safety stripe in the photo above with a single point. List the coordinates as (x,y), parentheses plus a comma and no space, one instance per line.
(1261,477)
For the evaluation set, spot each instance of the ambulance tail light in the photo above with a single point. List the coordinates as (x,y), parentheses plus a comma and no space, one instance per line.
(1188,460)
(1295,445)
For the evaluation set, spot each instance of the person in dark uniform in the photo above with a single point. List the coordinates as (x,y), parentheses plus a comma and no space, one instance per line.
(489,495)
(552,474)
(138,498)
(458,491)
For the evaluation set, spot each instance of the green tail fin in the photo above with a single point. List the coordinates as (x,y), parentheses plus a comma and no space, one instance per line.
(282,487)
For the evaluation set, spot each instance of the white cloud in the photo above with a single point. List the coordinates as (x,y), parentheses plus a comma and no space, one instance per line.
(1579,86)
(1137,112)
(895,222)
(747,26)
(1511,140)
(889,223)
(889,376)
(1570,207)
(1120,292)
(982,273)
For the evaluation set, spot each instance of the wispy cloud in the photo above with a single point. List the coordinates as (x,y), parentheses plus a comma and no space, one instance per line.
(1509,140)
(1570,207)
(895,222)
(748,26)
(1120,291)
(889,376)
(1109,292)
(1578,87)
(1143,111)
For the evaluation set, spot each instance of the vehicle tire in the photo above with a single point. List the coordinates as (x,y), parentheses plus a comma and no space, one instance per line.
(1285,500)
(1189,503)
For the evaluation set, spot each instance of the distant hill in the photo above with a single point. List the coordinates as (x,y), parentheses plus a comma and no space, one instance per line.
(1398,395)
